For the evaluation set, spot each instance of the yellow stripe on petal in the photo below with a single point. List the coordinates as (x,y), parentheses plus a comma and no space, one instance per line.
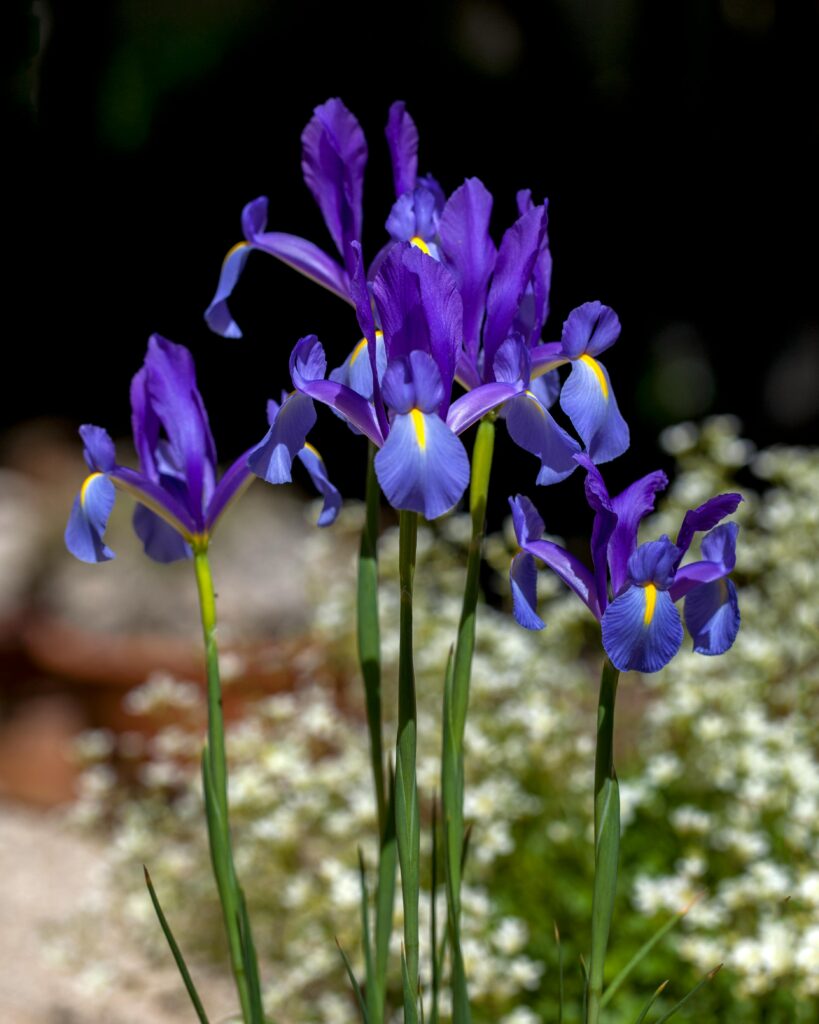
(236,248)
(598,372)
(651,602)
(419,243)
(86,484)
(311,448)
(417,418)
(358,350)
(533,398)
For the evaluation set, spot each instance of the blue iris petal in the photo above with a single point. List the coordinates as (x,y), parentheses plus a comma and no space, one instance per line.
(535,430)
(423,467)
(314,464)
(523,578)
(589,402)
(88,519)
(161,541)
(642,629)
(712,616)
(272,459)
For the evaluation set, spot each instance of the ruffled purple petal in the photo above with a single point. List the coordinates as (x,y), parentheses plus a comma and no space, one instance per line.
(334,155)
(470,254)
(590,329)
(523,580)
(160,540)
(423,467)
(514,266)
(402,140)
(474,405)
(314,464)
(413,383)
(706,516)
(534,306)
(654,563)
(631,507)
(641,629)
(272,459)
(589,402)
(712,616)
(534,429)
(719,549)
(88,519)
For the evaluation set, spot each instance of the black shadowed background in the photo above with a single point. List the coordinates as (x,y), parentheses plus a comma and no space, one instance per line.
(674,143)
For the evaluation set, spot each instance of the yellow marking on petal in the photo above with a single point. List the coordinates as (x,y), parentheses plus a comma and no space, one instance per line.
(533,398)
(378,333)
(419,243)
(86,484)
(601,377)
(358,350)
(420,427)
(311,448)
(651,601)
(236,248)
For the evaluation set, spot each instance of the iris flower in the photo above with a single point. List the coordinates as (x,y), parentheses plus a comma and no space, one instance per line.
(334,156)
(641,627)
(179,499)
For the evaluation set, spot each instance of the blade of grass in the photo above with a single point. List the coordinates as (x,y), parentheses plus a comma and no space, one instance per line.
(690,995)
(177,953)
(651,1001)
(356,987)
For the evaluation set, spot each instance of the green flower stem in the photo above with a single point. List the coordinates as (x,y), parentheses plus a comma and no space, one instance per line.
(369,654)
(216,803)
(456,704)
(407,827)
(606,839)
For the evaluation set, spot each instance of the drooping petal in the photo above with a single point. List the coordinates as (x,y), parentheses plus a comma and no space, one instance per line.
(475,404)
(546,388)
(308,259)
(232,484)
(423,467)
(314,464)
(719,550)
(712,617)
(160,540)
(535,430)
(334,155)
(272,458)
(631,506)
(590,329)
(402,140)
(98,448)
(514,266)
(218,316)
(470,253)
(641,629)
(705,516)
(523,579)
(89,518)
(529,531)
(172,391)
(588,401)
(546,356)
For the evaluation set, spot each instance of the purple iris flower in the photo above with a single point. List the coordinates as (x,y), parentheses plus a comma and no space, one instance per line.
(396,386)
(334,156)
(179,497)
(641,627)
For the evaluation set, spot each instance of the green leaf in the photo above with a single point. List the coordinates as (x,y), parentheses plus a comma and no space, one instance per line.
(560,974)
(371,987)
(651,1001)
(410,1003)
(177,953)
(690,995)
(356,987)
(250,961)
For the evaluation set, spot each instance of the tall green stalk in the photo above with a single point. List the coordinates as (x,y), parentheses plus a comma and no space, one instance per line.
(214,780)
(369,653)
(407,826)
(606,839)
(456,704)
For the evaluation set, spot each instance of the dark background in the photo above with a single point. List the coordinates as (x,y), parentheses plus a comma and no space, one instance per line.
(674,142)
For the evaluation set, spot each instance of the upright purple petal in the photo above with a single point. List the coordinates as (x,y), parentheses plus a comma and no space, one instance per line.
(470,254)
(534,307)
(641,629)
(706,516)
(523,581)
(712,617)
(423,467)
(515,264)
(605,522)
(589,402)
(314,464)
(631,506)
(334,155)
(402,139)
(98,448)
(590,329)
(88,519)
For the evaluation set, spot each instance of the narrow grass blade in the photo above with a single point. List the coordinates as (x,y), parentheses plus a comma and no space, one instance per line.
(559,975)
(251,962)
(410,1002)
(177,953)
(652,1000)
(433,921)
(690,995)
(385,894)
(362,1009)
(585,973)
(371,987)
(643,952)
